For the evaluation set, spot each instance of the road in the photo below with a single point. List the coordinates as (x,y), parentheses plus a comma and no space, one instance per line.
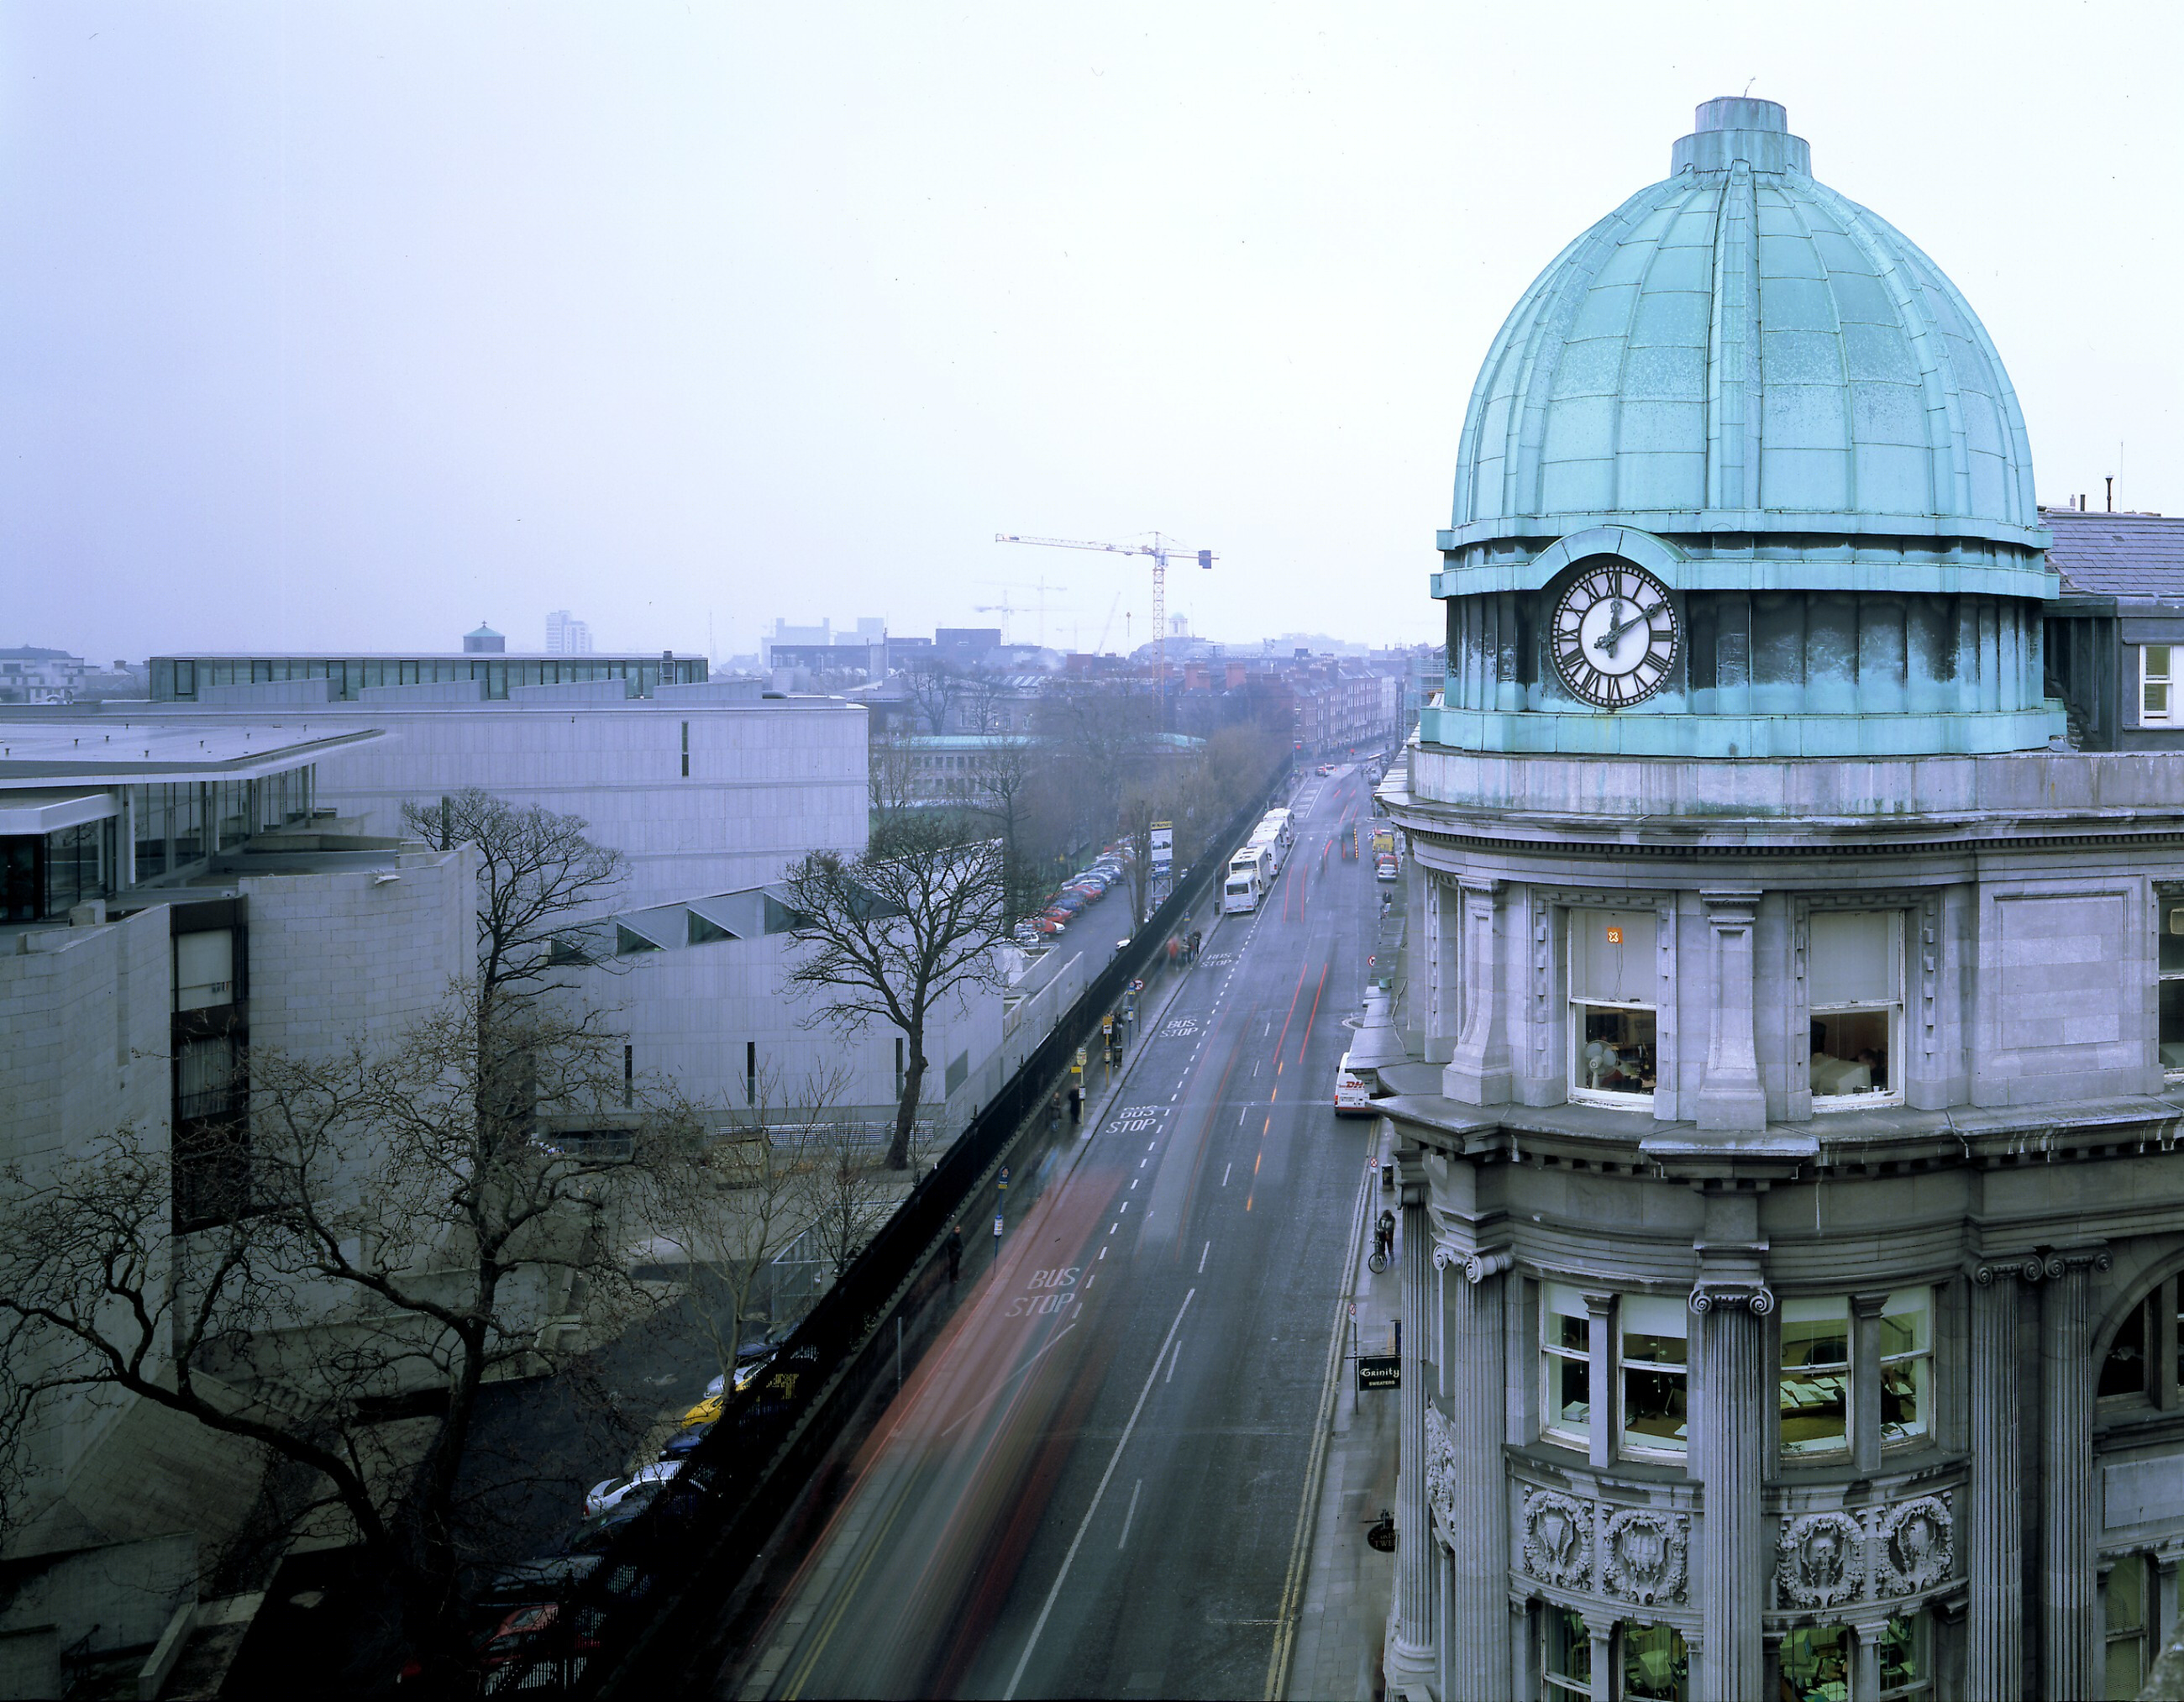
(1091,1485)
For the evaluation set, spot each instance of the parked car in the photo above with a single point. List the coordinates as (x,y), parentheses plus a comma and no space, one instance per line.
(609,1492)
(1383,868)
(751,1359)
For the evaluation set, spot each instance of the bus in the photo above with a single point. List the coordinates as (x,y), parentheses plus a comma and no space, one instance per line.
(1283,824)
(1250,873)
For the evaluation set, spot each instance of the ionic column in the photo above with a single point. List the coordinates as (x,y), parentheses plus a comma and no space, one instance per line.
(1730,1409)
(1729,1096)
(1476,1632)
(2069,1599)
(1480,1069)
(1994,1553)
(1411,1655)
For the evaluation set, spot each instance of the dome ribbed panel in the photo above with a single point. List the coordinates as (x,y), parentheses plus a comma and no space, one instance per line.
(1732,342)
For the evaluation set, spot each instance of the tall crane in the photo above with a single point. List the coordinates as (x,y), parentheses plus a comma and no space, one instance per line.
(1160,550)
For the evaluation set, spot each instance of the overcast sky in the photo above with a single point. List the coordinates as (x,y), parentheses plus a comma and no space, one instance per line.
(344,326)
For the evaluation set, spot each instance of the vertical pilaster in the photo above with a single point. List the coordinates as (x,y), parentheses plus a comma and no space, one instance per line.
(2069,1626)
(1600,1372)
(1865,1657)
(1480,1069)
(1477,1632)
(1442,931)
(1729,1096)
(1600,1633)
(1865,1382)
(1994,1556)
(1731,1393)
(1410,1661)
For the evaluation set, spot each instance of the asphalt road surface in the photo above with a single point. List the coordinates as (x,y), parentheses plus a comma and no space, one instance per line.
(1091,1486)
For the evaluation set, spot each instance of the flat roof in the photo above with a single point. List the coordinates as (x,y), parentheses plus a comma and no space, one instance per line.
(427,656)
(89,751)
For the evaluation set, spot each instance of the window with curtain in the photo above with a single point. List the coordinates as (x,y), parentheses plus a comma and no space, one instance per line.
(1612,990)
(1854,983)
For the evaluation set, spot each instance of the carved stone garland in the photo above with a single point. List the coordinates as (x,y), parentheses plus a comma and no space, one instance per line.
(1440,1469)
(1558,1538)
(1917,1547)
(1820,1560)
(1645,1558)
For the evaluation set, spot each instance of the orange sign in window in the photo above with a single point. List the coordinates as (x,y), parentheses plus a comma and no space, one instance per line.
(1615,936)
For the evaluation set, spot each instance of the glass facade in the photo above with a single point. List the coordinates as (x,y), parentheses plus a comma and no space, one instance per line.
(181,679)
(1656,1666)
(42,876)
(1655,1334)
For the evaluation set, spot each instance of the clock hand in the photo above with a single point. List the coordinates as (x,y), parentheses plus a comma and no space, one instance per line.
(1608,639)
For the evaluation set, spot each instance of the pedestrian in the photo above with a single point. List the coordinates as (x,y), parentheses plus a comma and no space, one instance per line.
(1384,1236)
(955,1251)
(1172,948)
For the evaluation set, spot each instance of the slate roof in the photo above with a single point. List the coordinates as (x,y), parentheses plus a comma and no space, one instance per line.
(2134,556)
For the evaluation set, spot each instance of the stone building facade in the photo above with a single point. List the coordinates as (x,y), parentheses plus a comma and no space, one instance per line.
(1791,1221)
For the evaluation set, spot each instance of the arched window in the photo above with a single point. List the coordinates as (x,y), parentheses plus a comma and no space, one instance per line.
(2142,1357)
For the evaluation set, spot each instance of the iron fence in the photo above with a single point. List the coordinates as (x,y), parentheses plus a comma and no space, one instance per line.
(644,1608)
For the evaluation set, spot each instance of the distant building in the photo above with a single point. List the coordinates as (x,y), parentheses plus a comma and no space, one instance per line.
(2115,639)
(483,642)
(29,674)
(566,635)
(210,678)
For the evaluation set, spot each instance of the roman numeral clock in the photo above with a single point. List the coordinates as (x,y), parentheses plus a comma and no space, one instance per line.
(1614,635)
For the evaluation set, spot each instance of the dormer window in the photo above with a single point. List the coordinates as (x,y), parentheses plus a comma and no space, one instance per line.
(2154,696)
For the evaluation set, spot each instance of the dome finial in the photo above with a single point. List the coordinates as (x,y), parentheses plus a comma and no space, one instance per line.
(1732,127)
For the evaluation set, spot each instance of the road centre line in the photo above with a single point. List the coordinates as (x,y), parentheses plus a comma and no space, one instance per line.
(1131,1514)
(1174,1360)
(1115,1459)
(1201,1258)
(1103,1252)
(1225,1169)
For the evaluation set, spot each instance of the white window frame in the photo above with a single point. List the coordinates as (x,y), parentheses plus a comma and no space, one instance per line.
(2163,679)
(1574,917)
(2167,901)
(1901,1302)
(1628,1445)
(1552,1427)
(1860,1101)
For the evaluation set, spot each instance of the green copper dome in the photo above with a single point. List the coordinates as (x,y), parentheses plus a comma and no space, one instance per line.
(1740,348)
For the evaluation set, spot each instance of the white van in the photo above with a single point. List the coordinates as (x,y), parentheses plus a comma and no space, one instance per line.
(1353,1095)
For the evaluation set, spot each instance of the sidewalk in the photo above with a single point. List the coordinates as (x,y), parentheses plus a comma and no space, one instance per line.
(1350,1587)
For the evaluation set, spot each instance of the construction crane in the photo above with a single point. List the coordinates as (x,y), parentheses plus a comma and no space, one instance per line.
(1006,609)
(1160,550)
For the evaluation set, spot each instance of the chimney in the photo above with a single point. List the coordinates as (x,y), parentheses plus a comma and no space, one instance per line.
(2111,481)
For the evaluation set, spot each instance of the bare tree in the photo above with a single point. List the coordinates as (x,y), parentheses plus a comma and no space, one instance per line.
(1007,778)
(892,781)
(536,872)
(888,934)
(742,1194)
(412,1217)
(935,688)
(397,1225)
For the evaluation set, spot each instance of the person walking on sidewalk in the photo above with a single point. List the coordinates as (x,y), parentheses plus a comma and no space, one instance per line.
(1383,1236)
(955,1251)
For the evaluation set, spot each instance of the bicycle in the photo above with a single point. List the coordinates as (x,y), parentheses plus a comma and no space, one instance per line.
(1376,1261)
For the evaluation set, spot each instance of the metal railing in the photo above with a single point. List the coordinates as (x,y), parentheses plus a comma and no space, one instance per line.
(646,1607)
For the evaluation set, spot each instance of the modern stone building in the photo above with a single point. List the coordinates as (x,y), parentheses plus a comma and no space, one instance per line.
(1792,1224)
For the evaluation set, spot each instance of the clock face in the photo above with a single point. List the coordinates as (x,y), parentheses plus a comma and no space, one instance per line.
(1614,635)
